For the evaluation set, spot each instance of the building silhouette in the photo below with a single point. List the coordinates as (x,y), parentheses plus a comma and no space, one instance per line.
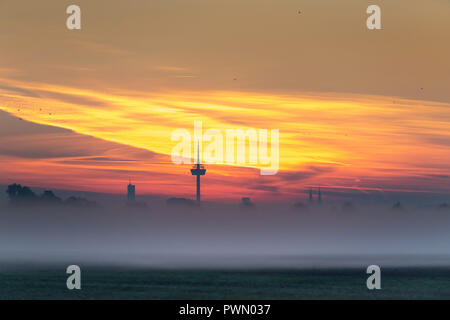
(319,196)
(311,196)
(131,192)
(246,202)
(180,202)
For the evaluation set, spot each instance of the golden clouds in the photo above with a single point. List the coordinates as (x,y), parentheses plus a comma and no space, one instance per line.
(357,135)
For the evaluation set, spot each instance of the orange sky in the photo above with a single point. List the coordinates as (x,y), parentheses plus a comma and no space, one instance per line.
(353,141)
(355,109)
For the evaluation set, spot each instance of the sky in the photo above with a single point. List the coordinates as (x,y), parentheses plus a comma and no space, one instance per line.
(357,109)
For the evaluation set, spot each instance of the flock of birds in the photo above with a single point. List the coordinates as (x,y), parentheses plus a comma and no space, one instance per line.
(40,110)
(234,79)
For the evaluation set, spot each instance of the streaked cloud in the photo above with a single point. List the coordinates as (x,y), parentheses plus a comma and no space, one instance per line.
(334,140)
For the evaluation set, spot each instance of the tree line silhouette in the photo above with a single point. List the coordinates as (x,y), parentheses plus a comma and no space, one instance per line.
(23,195)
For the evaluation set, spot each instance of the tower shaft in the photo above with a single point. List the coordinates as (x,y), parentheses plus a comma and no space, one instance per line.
(198,188)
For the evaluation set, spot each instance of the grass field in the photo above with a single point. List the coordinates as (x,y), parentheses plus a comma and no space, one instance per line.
(121,283)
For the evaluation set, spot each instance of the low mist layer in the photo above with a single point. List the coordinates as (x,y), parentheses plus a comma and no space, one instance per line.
(224,236)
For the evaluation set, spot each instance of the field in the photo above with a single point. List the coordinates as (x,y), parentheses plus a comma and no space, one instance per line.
(135,283)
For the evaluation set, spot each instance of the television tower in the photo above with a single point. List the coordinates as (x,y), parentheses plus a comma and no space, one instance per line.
(198,170)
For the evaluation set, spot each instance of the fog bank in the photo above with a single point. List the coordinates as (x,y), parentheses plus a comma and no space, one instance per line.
(225,236)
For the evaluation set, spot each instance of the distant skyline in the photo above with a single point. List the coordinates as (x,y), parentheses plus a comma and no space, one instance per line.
(360,110)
